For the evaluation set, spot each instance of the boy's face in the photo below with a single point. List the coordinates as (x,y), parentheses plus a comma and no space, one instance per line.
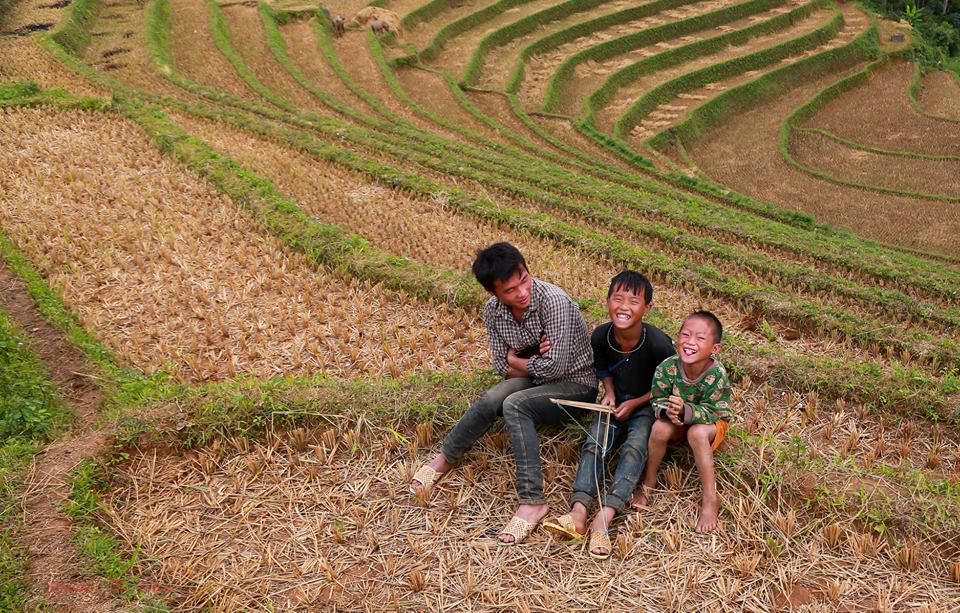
(626,308)
(695,343)
(515,290)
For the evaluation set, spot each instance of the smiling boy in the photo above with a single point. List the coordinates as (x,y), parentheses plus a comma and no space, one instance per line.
(540,345)
(626,351)
(691,399)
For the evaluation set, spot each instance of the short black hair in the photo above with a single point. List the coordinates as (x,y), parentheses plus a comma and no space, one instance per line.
(711,319)
(498,262)
(633,282)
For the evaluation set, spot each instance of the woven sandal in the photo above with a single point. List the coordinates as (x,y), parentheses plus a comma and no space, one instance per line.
(563,527)
(518,528)
(427,477)
(600,540)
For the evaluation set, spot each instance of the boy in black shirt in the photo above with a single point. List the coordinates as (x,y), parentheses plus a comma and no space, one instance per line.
(626,352)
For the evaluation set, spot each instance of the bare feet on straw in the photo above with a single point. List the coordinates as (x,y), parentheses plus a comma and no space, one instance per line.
(708,515)
(439,464)
(640,501)
(531,513)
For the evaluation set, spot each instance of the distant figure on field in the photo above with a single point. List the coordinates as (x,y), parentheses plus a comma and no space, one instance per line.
(540,345)
(339,26)
(379,27)
(691,399)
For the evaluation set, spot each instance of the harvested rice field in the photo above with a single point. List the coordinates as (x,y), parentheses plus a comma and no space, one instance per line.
(254,238)
(941,94)
(129,238)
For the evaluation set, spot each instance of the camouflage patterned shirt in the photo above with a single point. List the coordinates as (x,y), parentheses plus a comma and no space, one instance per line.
(706,399)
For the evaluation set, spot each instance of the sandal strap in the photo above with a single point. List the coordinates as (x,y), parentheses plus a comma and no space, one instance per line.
(519,529)
(427,476)
(600,540)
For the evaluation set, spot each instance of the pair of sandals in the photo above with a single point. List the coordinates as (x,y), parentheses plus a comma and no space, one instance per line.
(565,527)
(517,527)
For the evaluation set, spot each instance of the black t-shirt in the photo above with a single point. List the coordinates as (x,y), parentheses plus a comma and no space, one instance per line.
(632,373)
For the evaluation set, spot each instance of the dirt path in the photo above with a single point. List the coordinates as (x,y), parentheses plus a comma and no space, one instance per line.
(55,568)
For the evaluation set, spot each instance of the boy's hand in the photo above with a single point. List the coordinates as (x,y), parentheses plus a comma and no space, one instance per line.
(609,399)
(544,344)
(625,410)
(675,410)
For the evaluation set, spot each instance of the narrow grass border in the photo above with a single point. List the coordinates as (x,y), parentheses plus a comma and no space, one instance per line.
(554,40)
(913,92)
(521,27)
(852,144)
(735,67)
(603,94)
(812,106)
(648,36)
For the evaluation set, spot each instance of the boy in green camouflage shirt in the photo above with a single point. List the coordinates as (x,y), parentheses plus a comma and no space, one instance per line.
(690,396)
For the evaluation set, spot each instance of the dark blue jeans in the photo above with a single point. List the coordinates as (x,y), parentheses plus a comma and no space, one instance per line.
(523,407)
(634,432)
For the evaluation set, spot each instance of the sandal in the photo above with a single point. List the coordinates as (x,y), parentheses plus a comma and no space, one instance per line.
(563,527)
(600,540)
(518,528)
(427,477)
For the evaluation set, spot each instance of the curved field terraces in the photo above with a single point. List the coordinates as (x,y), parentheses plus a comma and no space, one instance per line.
(255,234)
(941,94)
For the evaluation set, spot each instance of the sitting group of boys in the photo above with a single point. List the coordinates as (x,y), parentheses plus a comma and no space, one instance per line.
(659,394)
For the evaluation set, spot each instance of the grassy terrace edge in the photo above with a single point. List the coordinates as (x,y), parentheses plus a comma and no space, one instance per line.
(725,70)
(809,109)
(602,95)
(648,36)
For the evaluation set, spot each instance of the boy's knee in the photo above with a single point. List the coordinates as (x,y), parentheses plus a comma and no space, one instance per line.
(661,430)
(700,434)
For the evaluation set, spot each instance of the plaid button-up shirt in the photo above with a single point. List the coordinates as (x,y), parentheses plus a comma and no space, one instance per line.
(553,312)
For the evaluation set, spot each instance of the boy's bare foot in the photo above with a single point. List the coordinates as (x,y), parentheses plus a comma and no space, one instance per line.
(640,501)
(530,513)
(579,515)
(439,464)
(709,512)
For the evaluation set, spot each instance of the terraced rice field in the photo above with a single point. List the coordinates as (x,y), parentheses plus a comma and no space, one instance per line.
(257,236)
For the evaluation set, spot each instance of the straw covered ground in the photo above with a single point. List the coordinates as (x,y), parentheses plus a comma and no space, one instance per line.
(270,471)
(319,517)
(175,275)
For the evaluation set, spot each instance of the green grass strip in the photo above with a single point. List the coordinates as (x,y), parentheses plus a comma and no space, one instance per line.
(425,12)
(102,550)
(586,28)
(30,406)
(522,27)
(605,92)
(72,29)
(465,24)
(725,70)
(852,144)
(648,36)
(810,108)
(768,85)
